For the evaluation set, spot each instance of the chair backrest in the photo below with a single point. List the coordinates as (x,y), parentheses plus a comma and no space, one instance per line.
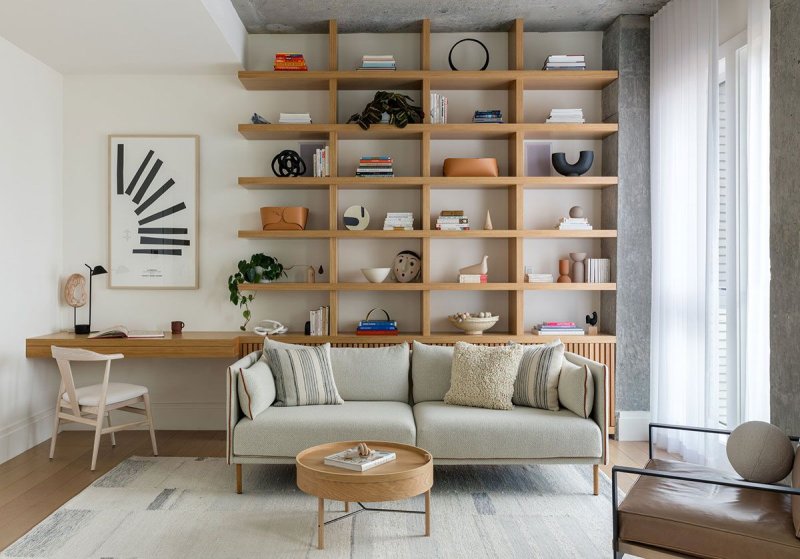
(63,356)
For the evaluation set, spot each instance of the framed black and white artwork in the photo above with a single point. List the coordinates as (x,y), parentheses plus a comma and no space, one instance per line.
(153,217)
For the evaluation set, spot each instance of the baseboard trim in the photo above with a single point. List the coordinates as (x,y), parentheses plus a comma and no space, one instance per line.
(632,425)
(24,434)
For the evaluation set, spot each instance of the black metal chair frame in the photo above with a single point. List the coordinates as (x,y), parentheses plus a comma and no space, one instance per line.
(682,477)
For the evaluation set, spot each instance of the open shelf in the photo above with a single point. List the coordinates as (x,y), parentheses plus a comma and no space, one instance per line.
(569,286)
(358,183)
(468,131)
(429,234)
(432,338)
(391,286)
(435,79)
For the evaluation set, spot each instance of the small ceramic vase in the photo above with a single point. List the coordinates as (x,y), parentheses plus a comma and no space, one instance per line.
(563,270)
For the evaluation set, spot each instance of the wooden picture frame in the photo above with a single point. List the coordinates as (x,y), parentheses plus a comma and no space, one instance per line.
(153,197)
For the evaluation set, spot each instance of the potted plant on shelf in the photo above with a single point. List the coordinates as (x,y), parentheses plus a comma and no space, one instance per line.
(399,107)
(259,269)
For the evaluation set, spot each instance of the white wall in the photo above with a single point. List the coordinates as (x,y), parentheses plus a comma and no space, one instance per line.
(30,243)
(189,393)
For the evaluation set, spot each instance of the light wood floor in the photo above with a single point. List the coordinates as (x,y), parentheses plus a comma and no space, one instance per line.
(32,487)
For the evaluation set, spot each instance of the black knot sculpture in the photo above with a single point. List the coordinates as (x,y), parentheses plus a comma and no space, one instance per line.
(577,169)
(288,163)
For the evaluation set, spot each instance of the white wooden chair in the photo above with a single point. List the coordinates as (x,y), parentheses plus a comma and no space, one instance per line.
(90,404)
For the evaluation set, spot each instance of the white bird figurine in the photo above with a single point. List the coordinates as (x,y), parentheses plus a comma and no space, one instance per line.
(481,267)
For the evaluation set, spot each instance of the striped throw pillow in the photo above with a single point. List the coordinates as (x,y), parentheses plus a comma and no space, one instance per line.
(537,380)
(303,375)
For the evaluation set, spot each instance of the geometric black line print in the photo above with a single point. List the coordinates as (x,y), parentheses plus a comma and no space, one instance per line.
(144,205)
(163,230)
(139,172)
(163,213)
(146,184)
(120,167)
(167,251)
(162,241)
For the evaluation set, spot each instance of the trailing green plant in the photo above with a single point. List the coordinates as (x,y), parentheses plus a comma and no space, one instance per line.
(399,107)
(260,267)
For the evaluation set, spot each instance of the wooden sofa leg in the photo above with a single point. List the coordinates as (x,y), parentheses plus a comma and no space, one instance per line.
(595,478)
(239,479)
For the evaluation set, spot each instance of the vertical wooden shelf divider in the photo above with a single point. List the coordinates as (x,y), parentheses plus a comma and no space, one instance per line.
(425,171)
(516,45)
(333,190)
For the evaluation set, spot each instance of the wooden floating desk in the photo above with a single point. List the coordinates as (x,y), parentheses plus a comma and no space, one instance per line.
(187,345)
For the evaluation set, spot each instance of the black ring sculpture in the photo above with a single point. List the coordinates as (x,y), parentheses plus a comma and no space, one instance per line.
(450,55)
(576,169)
(290,164)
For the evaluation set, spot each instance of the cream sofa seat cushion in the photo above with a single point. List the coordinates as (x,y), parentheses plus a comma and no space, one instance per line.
(454,432)
(379,373)
(285,431)
(117,392)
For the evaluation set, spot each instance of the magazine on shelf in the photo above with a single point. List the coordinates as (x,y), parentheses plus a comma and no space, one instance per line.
(122,332)
(350,460)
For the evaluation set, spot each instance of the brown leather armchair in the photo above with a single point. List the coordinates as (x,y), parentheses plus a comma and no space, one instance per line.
(681,510)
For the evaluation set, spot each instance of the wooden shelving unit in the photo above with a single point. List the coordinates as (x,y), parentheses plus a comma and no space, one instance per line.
(516,81)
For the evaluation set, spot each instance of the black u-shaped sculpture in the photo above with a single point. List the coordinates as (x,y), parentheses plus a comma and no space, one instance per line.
(576,169)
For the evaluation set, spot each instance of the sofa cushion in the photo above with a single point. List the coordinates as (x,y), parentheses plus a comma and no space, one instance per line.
(379,373)
(704,520)
(483,376)
(537,381)
(256,388)
(283,432)
(430,371)
(303,375)
(576,388)
(454,432)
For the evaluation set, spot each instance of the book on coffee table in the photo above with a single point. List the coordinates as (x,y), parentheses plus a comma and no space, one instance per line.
(351,460)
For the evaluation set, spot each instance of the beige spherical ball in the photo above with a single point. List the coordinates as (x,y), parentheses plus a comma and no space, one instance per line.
(760,452)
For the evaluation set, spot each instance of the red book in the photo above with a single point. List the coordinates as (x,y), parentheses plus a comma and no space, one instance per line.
(376,332)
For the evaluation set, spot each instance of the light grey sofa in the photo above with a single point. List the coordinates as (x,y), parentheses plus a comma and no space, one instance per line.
(393,394)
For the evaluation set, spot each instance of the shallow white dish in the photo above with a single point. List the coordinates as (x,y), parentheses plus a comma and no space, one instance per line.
(474,326)
(376,275)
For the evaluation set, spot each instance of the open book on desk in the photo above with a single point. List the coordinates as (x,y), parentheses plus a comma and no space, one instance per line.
(122,332)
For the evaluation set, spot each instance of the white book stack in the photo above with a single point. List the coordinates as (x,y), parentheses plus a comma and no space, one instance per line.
(398,221)
(540,278)
(574,224)
(295,118)
(438,109)
(598,270)
(566,115)
(565,62)
(322,162)
(319,320)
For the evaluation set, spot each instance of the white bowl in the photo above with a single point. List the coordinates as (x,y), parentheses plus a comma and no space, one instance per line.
(376,275)
(474,326)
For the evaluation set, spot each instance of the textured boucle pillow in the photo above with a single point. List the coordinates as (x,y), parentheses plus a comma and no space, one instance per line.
(482,376)
(760,452)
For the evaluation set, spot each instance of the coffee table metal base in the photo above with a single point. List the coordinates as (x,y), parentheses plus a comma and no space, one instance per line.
(321,522)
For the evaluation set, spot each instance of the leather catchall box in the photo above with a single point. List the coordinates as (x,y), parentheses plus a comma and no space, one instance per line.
(470,167)
(284,218)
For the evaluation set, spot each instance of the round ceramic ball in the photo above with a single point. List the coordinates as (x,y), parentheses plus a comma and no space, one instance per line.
(760,452)
(576,211)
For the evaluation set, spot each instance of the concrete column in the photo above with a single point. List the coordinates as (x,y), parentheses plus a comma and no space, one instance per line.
(785,215)
(626,208)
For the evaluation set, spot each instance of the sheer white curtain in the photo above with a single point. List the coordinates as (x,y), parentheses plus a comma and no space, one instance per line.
(754,221)
(683,148)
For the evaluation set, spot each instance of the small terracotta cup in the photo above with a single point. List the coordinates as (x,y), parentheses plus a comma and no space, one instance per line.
(177,326)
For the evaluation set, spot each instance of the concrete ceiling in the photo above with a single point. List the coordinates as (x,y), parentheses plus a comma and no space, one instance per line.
(360,16)
(127,36)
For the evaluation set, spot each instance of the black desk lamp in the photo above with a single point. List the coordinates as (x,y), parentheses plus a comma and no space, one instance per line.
(96,271)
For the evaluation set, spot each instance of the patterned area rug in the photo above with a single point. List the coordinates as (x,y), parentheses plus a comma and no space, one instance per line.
(187,507)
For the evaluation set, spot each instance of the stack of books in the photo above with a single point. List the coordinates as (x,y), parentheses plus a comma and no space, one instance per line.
(375,166)
(491,115)
(574,224)
(565,62)
(377,328)
(558,329)
(289,62)
(566,115)
(540,278)
(438,109)
(322,162)
(378,62)
(320,321)
(398,221)
(295,118)
(351,460)
(452,220)
(473,278)
(598,270)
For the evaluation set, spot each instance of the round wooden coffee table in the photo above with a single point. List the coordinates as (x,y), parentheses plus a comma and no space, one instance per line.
(409,475)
